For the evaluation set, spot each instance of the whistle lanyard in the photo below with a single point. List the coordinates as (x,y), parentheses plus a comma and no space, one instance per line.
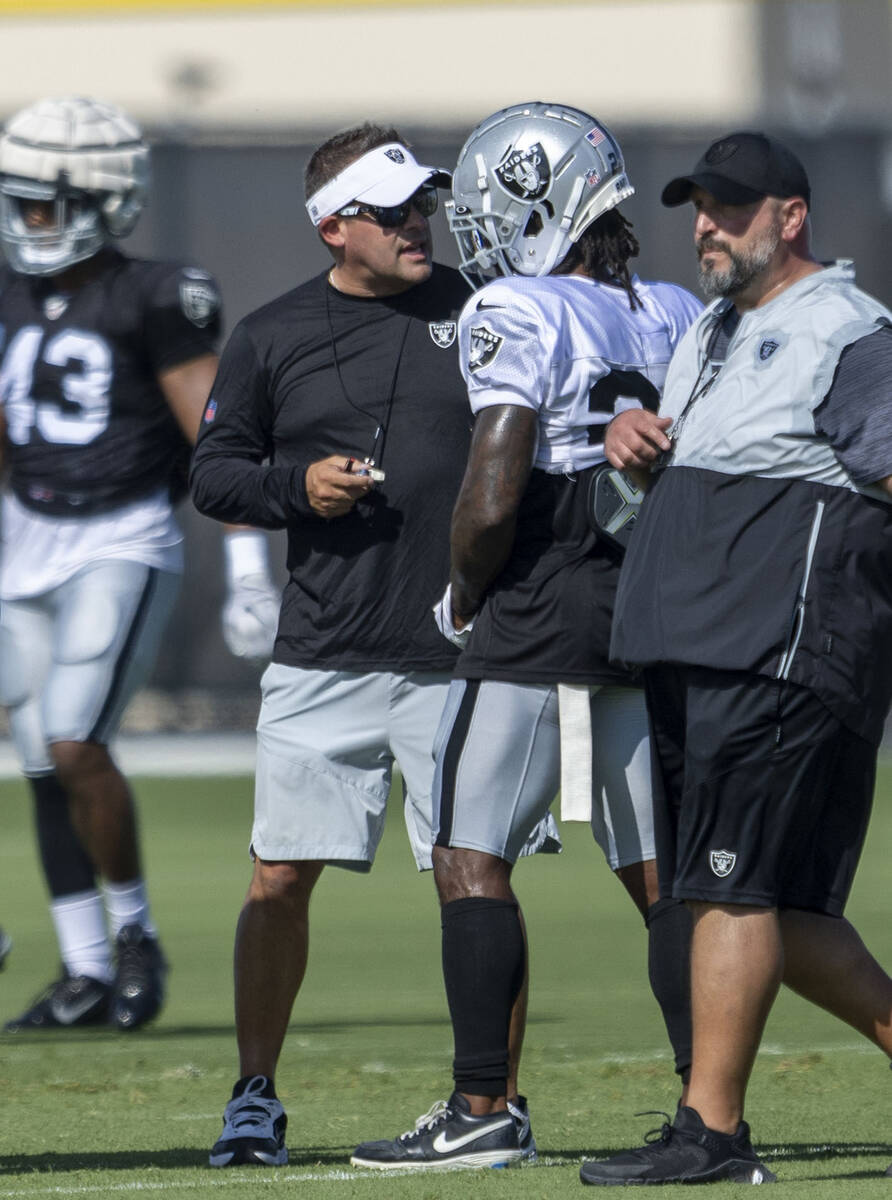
(376,453)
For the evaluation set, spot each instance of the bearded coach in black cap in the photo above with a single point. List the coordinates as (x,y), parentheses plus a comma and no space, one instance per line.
(757,596)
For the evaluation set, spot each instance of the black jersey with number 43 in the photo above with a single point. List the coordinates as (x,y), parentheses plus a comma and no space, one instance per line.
(88,427)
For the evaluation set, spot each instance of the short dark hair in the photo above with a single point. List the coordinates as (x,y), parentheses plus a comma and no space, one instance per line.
(604,250)
(340,151)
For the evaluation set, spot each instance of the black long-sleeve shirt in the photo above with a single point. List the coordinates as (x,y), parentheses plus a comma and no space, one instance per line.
(315,373)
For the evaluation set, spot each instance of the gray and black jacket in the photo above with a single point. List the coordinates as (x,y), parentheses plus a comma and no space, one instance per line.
(757,549)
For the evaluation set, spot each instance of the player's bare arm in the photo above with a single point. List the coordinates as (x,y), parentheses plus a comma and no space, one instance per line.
(333,485)
(886,484)
(634,440)
(186,388)
(484,519)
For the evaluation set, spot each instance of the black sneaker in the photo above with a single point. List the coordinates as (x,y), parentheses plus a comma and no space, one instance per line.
(447,1136)
(685,1152)
(519,1110)
(254,1125)
(71,1000)
(5,946)
(138,990)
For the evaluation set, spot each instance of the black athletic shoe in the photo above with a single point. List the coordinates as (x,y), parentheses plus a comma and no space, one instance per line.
(5,946)
(71,1000)
(138,990)
(447,1136)
(519,1110)
(254,1125)
(686,1152)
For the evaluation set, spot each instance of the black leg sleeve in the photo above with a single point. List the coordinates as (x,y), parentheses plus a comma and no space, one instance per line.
(66,866)
(669,967)
(484,958)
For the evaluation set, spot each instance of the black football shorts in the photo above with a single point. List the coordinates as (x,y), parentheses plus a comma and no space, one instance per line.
(762,797)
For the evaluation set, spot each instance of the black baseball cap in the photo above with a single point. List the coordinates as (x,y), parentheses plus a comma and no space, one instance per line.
(740,169)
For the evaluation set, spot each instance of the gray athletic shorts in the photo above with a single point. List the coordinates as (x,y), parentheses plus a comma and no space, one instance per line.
(327,742)
(71,658)
(498,768)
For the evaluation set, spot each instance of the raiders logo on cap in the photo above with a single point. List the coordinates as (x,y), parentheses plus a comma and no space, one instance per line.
(525,173)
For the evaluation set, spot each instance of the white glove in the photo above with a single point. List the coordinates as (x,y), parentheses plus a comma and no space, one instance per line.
(250,615)
(443,617)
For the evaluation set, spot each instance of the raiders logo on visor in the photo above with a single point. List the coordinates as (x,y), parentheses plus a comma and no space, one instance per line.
(485,345)
(525,173)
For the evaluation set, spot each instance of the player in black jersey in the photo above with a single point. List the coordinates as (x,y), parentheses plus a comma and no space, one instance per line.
(340,415)
(106,365)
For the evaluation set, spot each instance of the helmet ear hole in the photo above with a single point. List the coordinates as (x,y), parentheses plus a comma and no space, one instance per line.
(119,211)
(534,224)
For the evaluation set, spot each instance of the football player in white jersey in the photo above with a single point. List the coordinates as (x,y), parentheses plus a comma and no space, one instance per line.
(560,338)
(106,362)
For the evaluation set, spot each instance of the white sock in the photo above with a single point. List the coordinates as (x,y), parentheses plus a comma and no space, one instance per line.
(83,939)
(127,904)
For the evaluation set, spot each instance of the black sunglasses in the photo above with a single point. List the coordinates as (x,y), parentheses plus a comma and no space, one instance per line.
(424,201)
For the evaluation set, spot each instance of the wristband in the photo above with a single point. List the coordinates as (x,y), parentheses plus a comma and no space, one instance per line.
(246,554)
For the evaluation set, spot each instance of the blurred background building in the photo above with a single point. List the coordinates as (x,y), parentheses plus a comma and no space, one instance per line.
(234,94)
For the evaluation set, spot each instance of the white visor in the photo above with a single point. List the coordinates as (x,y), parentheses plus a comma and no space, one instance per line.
(385,176)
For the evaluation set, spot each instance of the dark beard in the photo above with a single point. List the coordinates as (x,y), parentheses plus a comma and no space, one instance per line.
(744,268)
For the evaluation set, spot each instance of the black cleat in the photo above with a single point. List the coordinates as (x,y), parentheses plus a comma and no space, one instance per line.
(138,990)
(520,1112)
(686,1152)
(446,1137)
(71,1000)
(254,1125)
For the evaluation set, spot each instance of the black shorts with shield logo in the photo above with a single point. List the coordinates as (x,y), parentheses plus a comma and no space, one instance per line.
(762,797)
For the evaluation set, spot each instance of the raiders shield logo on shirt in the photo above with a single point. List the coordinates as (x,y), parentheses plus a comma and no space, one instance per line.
(443,333)
(525,173)
(199,298)
(485,345)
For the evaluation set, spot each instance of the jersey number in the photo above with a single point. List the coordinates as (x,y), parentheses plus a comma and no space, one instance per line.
(615,392)
(80,414)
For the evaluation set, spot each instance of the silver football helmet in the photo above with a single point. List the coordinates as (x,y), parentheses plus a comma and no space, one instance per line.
(89,162)
(529,180)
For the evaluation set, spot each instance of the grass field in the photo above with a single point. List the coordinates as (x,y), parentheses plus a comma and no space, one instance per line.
(100,1113)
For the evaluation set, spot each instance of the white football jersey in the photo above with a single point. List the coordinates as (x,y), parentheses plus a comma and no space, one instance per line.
(572,350)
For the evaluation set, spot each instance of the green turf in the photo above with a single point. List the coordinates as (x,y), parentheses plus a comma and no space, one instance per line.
(89,1113)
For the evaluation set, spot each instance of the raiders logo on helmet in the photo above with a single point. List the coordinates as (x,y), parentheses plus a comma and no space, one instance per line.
(525,173)
(442,333)
(199,298)
(485,345)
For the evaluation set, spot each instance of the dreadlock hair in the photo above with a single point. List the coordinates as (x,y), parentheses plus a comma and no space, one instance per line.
(344,148)
(603,251)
